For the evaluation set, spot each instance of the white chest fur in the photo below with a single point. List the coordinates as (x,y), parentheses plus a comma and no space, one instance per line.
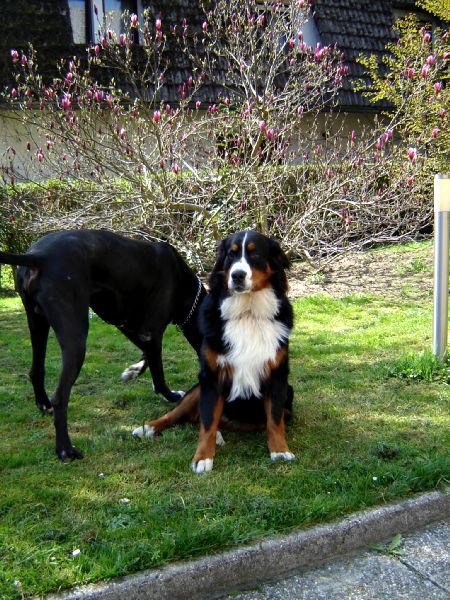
(253,337)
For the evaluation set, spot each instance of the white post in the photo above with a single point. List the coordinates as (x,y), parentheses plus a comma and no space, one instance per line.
(441,248)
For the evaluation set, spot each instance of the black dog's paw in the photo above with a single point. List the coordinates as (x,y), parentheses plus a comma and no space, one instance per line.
(44,409)
(175,396)
(44,406)
(70,453)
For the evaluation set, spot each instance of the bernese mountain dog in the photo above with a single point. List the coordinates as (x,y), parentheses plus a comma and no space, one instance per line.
(245,322)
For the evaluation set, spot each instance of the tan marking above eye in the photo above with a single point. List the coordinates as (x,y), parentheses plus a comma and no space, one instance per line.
(235,247)
(251,246)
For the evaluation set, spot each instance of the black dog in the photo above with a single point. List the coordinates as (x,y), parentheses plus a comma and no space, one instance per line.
(137,286)
(245,321)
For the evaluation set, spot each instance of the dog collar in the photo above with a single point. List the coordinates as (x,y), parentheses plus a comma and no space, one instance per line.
(194,306)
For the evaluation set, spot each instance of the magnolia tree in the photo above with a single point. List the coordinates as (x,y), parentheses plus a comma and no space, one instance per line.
(414,80)
(267,152)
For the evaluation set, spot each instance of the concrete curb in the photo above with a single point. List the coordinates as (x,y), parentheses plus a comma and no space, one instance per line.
(215,575)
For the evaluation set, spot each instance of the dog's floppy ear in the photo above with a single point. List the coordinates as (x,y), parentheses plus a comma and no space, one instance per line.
(278,262)
(277,258)
(220,256)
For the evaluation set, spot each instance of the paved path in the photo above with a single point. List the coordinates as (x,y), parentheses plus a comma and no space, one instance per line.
(422,572)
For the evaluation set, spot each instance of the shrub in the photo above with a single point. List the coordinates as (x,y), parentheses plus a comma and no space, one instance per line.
(137,164)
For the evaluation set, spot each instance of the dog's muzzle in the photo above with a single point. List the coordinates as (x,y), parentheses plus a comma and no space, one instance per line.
(240,278)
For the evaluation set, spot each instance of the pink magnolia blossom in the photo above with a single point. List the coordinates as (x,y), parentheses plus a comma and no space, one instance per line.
(412,154)
(262,125)
(122,39)
(198,104)
(427,37)
(430,60)
(99,95)
(14,56)
(66,102)
(97,50)
(446,55)
(158,24)
(40,155)
(329,173)
(410,73)
(159,36)
(176,168)
(157,116)
(50,144)
(424,71)
(269,134)
(104,42)
(134,20)
(437,87)
(205,26)
(14,93)
(435,132)
(442,114)
(389,134)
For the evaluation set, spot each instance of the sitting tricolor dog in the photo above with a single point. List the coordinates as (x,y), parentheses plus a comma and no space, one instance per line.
(245,322)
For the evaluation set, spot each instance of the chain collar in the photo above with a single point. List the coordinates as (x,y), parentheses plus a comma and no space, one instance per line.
(194,306)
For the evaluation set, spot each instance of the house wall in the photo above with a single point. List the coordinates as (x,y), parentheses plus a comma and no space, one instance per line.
(14,135)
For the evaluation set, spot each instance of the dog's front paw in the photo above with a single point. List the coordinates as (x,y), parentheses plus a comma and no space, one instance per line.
(69,453)
(283,455)
(145,431)
(202,466)
(133,371)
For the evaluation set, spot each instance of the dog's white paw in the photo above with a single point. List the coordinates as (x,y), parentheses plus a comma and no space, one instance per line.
(219,439)
(133,371)
(284,455)
(146,431)
(203,466)
(179,392)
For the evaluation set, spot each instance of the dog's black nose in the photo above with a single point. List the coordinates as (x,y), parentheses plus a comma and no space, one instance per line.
(238,276)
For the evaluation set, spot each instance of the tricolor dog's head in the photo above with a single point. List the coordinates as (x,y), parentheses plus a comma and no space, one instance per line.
(249,262)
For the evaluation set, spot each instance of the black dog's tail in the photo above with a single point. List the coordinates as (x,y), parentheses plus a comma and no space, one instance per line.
(21,260)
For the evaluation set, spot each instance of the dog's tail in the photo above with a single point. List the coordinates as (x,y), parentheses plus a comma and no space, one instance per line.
(21,260)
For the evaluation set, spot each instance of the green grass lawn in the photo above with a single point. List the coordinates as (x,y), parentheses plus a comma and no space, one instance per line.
(362,438)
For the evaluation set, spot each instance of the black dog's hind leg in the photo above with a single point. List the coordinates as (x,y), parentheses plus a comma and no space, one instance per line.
(39,328)
(71,332)
(153,353)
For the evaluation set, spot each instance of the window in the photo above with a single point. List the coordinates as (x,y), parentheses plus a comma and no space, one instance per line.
(77,10)
(88,16)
